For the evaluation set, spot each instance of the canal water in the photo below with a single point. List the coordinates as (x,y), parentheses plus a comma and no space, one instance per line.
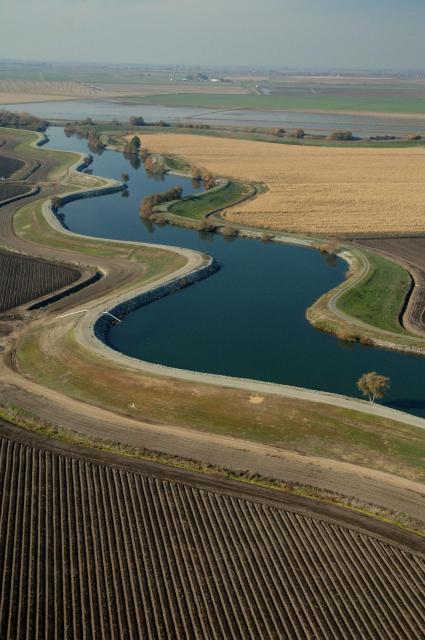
(319,123)
(248,319)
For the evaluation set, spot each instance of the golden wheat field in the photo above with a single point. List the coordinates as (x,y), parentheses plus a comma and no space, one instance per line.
(39,90)
(314,189)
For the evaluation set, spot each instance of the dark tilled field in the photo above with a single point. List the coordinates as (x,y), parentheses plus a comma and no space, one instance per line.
(96,551)
(8,166)
(411,253)
(23,278)
(11,190)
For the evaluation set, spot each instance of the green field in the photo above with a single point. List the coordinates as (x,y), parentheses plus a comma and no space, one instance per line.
(386,104)
(379,298)
(198,207)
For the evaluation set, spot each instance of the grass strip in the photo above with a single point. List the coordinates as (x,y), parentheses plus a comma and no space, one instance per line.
(199,206)
(372,104)
(379,298)
(26,420)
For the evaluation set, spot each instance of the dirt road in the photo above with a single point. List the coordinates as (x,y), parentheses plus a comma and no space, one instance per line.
(389,491)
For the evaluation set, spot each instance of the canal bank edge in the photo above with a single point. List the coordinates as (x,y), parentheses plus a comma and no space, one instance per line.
(324,314)
(190,433)
(87,335)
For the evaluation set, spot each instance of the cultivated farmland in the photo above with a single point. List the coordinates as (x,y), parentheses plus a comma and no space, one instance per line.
(17,90)
(314,189)
(23,278)
(98,551)
(12,190)
(8,166)
(29,90)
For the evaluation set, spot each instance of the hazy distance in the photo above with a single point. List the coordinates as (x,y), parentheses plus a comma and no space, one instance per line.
(352,34)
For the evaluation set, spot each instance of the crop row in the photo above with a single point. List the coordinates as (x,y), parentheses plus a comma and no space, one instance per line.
(11,190)
(8,166)
(91,551)
(23,278)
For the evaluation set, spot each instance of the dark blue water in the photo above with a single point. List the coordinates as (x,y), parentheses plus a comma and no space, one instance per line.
(247,320)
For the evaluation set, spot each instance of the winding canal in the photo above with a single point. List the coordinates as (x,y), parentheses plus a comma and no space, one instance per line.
(247,320)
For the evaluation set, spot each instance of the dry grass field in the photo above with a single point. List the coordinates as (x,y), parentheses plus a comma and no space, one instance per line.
(314,189)
(23,91)
(39,90)
(142,88)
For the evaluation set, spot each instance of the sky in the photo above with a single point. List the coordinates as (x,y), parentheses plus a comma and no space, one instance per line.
(352,34)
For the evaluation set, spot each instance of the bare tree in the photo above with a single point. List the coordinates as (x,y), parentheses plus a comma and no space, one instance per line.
(56,202)
(373,385)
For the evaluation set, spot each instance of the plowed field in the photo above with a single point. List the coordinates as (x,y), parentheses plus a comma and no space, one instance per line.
(314,189)
(23,278)
(11,190)
(8,166)
(96,551)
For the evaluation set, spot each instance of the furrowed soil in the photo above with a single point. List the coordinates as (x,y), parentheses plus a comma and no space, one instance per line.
(115,549)
(124,265)
(8,166)
(23,278)
(11,190)
(318,190)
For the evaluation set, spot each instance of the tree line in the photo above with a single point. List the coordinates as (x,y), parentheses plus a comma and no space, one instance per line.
(22,120)
(150,202)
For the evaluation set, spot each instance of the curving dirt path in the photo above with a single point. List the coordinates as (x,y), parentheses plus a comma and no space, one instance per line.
(389,491)
(373,487)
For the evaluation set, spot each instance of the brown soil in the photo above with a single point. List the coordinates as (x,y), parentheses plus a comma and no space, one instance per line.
(369,486)
(23,278)
(9,166)
(391,492)
(12,190)
(106,548)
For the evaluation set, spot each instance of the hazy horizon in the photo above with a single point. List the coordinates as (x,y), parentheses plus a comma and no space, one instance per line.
(223,67)
(367,35)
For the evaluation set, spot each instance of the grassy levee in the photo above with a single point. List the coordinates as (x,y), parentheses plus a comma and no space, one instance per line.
(198,206)
(174,163)
(49,353)
(57,360)
(387,104)
(63,160)
(379,298)
(30,224)
(366,307)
